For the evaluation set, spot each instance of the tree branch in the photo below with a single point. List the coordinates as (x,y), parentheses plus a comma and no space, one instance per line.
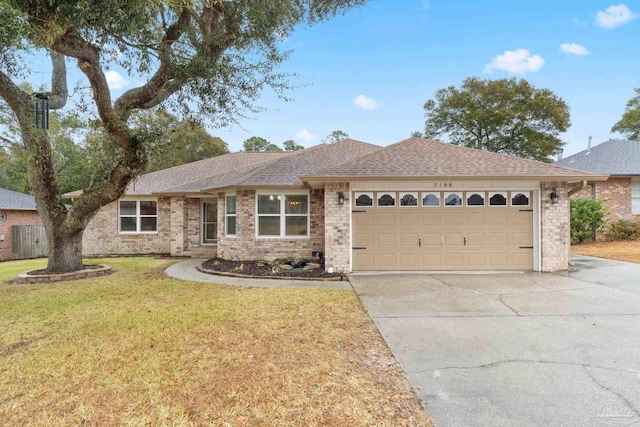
(59,91)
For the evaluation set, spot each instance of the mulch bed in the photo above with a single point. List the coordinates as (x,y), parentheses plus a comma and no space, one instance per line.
(261,269)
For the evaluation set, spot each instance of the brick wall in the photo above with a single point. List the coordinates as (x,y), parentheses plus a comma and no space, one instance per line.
(14,217)
(246,246)
(337,229)
(554,227)
(101,236)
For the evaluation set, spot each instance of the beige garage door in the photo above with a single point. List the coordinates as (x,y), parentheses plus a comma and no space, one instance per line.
(442,230)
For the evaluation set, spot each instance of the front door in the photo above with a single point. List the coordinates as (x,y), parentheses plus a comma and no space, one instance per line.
(209,223)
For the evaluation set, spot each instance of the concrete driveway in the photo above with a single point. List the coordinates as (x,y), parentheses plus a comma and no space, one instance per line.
(516,349)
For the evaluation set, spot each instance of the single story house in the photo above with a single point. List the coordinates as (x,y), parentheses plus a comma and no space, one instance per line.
(414,205)
(16,209)
(620,159)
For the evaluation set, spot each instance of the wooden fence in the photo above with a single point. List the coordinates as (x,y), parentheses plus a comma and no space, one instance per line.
(28,241)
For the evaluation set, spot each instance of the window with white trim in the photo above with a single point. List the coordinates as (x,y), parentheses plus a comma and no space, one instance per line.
(386,199)
(138,216)
(363,199)
(452,199)
(520,199)
(283,215)
(409,199)
(635,197)
(497,199)
(475,199)
(431,199)
(230,216)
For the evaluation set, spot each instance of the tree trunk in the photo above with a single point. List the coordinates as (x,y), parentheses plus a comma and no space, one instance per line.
(65,251)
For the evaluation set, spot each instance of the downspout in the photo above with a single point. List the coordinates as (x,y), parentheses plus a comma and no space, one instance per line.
(580,187)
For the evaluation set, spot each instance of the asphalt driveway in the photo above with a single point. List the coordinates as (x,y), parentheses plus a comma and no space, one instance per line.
(516,349)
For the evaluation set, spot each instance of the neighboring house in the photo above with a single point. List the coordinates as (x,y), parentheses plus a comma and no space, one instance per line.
(15,209)
(414,205)
(621,161)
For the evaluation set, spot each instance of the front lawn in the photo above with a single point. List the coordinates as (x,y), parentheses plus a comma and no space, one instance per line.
(624,250)
(139,348)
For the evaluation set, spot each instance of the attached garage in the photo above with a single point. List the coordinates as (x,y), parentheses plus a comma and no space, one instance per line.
(443,230)
(421,205)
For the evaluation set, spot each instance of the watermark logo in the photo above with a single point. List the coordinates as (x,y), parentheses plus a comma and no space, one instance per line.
(605,410)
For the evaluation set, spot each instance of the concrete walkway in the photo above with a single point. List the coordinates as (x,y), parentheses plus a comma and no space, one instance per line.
(186,270)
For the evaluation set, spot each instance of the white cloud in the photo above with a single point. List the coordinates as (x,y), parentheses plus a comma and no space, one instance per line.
(115,80)
(517,61)
(614,16)
(365,102)
(305,135)
(574,49)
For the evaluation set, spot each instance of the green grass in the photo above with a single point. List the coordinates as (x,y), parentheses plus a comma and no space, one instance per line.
(139,348)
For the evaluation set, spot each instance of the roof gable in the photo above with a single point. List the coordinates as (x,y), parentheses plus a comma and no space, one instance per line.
(417,157)
(613,157)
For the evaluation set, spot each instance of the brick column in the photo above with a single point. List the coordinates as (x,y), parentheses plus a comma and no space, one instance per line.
(337,228)
(554,229)
(178,226)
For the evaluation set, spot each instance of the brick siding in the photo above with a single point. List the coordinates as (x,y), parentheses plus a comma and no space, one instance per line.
(101,236)
(246,246)
(337,228)
(14,217)
(554,227)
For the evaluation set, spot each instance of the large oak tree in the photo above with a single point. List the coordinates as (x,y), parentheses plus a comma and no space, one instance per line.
(507,116)
(196,57)
(629,124)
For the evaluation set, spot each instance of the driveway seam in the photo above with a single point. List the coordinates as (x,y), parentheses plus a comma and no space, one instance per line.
(545,362)
(507,305)
(472,316)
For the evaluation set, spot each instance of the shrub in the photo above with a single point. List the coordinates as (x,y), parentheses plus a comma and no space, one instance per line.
(587,217)
(624,230)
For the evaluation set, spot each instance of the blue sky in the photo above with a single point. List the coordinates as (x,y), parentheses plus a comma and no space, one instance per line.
(391,56)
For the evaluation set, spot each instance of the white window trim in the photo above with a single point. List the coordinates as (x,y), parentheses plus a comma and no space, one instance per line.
(385,193)
(482,194)
(282,215)
(515,193)
(635,182)
(226,215)
(503,194)
(457,193)
(427,193)
(138,216)
(412,193)
(355,199)
(202,222)
(3,216)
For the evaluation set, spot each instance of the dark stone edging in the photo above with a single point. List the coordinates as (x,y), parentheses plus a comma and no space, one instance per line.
(246,276)
(103,270)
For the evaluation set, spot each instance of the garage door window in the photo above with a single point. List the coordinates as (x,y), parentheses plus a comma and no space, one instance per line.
(364,199)
(431,200)
(520,199)
(475,199)
(452,199)
(409,199)
(497,199)
(386,199)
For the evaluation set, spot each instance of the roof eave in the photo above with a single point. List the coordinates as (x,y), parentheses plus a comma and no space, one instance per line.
(589,177)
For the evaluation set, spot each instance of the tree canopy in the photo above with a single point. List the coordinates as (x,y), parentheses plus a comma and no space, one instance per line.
(507,116)
(256,143)
(196,58)
(291,145)
(629,124)
(335,136)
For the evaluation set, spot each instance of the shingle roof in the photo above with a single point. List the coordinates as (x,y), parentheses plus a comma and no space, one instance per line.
(613,157)
(288,170)
(12,200)
(417,157)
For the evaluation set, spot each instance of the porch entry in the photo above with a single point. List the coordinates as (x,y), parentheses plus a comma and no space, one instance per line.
(209,222)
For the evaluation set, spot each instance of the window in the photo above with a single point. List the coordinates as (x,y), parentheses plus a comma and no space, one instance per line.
(364,199)
(3,216)
(635,197)
(285,215)
(497,199)
(138,216)
(209,222)
(520,199)
(386,199)
(431,199)
(230,216)
(408,199)
(452,199)
(475,199)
